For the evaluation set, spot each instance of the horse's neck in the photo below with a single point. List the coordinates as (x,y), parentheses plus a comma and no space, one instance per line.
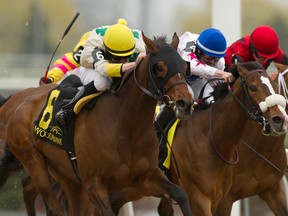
(139,105)
(227,123)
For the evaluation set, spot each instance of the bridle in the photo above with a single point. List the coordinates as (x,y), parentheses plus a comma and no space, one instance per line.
(156,86)
(256,114)
(282,84)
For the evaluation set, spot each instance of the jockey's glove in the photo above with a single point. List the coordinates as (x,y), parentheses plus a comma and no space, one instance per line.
(48,80)
(236,59)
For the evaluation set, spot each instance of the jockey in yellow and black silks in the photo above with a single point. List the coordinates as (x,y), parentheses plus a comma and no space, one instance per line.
(105,52)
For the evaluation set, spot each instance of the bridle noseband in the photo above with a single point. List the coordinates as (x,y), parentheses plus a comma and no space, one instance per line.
(282,84)
(255,114)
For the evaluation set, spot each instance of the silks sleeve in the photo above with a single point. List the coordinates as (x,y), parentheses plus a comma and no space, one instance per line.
(113,69)
(69,61)
(61,66)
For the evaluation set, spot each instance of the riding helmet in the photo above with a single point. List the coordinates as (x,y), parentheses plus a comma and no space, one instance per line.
(212,42)
(265,40)
(119,39)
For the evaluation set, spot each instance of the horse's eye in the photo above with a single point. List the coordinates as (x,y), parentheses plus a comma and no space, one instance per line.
(159,71)
(159,68)
(253,88)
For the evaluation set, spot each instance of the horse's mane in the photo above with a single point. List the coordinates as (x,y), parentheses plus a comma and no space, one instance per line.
(221,89)
(251,65)
(3,99)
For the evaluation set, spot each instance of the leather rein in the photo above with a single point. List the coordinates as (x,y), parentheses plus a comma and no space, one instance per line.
(255,114)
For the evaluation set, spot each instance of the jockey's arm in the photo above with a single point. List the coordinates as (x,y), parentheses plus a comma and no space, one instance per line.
(69,61)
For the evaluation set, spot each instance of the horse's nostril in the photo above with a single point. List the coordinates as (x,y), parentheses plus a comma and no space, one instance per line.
(278,120)
(181,104)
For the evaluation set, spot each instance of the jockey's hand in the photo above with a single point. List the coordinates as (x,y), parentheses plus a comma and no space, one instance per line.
(140,57)
(273,75)
(236,59)
(129,66)
(48,80)
(227,76)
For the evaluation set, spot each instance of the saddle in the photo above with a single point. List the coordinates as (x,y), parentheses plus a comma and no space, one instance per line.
(47,127)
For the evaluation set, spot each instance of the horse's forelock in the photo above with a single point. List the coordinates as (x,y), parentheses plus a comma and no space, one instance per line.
(160,40)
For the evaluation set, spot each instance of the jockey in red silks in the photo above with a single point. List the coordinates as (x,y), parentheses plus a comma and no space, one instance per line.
(262,45)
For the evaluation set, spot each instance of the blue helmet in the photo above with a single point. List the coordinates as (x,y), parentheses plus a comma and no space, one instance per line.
(212,42)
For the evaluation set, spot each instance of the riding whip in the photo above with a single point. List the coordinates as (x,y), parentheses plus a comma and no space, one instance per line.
(65,33)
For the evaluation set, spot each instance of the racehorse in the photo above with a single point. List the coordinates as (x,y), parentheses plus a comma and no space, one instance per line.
(115,142)
(205,145)
(261,166)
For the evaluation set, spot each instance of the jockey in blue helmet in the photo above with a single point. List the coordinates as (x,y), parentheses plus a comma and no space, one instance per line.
(212,43)
(204,56)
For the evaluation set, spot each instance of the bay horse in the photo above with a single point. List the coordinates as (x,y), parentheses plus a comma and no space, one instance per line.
(205,145)
(115,142)
(262,164)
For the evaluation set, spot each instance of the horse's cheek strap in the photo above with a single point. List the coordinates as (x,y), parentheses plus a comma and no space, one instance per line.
(272,100)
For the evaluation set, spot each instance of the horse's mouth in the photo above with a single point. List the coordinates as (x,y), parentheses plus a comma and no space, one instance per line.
(182,113)
(275,131)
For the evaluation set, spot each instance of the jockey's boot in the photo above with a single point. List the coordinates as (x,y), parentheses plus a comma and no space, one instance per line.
(164,121)
(67,109)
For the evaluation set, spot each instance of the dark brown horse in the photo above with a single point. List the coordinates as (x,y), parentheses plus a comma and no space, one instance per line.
(262,165)
(115,142)
(205,145)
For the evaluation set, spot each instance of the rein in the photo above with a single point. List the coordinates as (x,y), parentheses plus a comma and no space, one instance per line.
(282,84)
(261,156)
(255,114)
(214,145)
(123,80)
(146,91)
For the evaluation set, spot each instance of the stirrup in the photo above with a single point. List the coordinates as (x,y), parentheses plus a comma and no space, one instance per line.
(61,116)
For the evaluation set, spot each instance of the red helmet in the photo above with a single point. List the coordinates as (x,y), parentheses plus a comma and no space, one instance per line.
(265,40)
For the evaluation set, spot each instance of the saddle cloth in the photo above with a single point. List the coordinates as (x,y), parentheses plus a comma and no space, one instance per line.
(170,137)
(47,127)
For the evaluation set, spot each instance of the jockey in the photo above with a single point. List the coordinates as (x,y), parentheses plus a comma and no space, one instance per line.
(69,61)
(261,45)
(204,55)
(109,51)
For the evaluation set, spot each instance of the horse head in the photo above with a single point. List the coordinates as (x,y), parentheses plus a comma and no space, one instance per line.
(261,102)
(167,75)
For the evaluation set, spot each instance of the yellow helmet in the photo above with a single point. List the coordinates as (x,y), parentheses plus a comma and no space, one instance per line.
(119,39)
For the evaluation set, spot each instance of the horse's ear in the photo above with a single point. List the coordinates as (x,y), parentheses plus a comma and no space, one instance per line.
(151,46)
(242,70)
(280,67)
(175,40)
